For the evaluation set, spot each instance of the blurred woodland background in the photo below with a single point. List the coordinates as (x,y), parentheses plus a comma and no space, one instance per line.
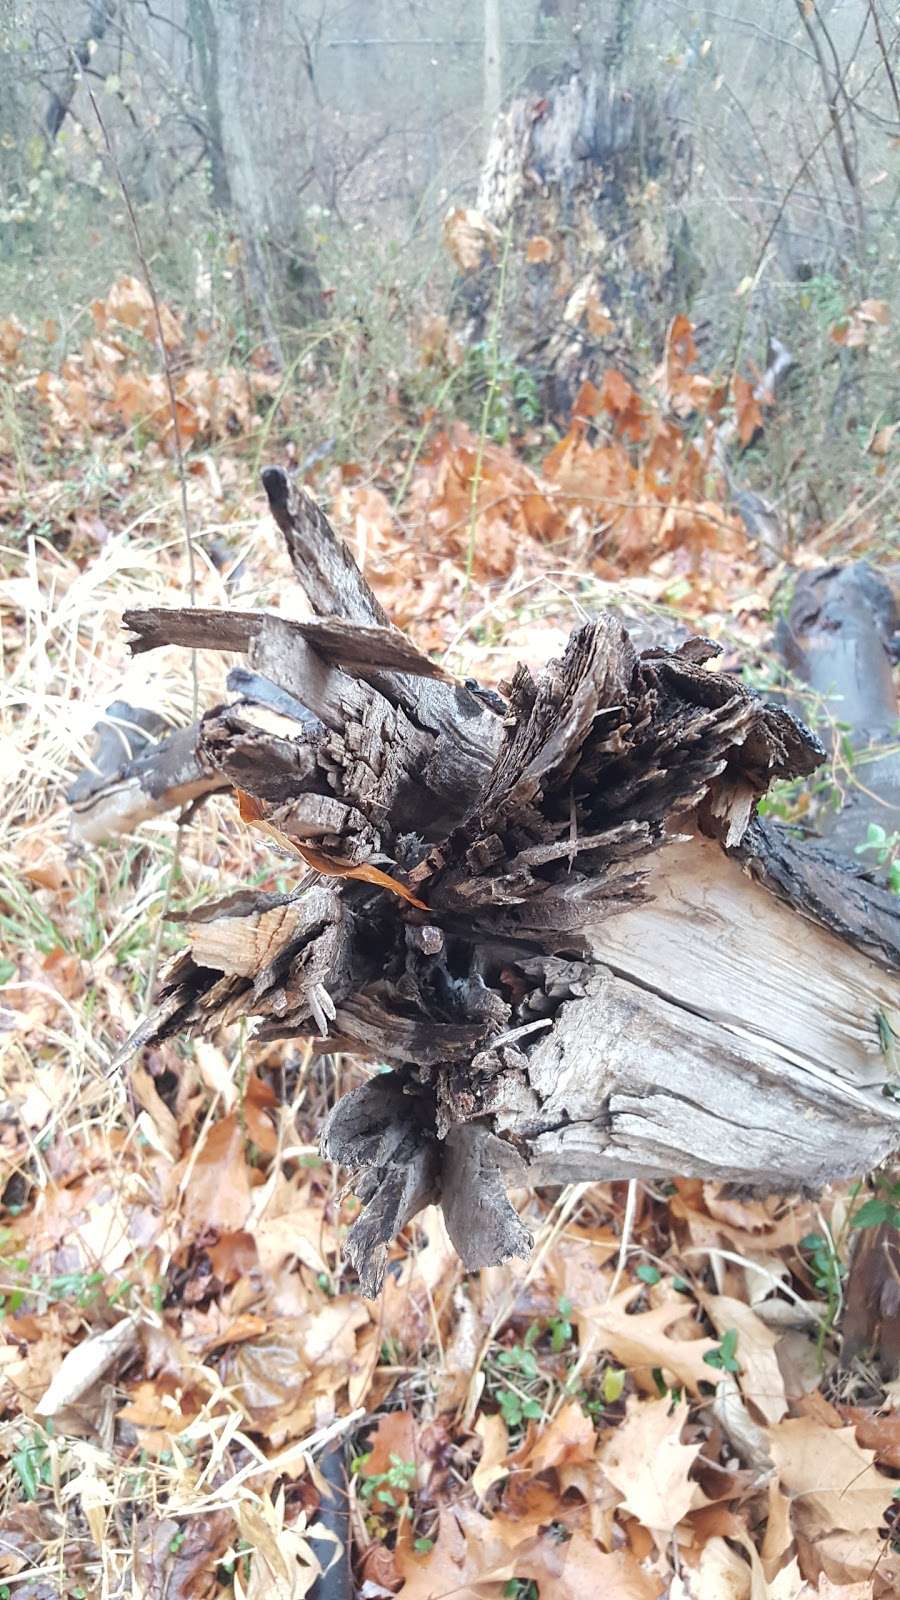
(292,165)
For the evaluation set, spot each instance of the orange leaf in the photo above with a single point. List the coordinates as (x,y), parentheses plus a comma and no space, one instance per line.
(539,249)
(253,812)
(587,404)
(623,403)
(746,409)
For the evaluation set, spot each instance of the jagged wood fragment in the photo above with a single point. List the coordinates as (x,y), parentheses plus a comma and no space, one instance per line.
(465,732)
(358,647)
(136,774)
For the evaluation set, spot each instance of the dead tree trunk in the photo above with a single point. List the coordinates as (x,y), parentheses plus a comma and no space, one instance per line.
(556,919)
(589,178)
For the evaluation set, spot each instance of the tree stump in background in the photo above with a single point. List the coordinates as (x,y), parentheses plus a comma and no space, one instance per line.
(589,181)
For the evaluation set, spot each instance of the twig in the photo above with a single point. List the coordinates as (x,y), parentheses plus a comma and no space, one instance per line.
(885,54)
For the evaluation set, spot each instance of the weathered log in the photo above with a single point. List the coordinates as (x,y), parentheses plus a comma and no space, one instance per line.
(839,639)
(594,962)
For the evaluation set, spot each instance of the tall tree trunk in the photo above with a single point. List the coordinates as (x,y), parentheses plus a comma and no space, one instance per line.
(261,115)
(590,179)
(205,36)
(493,61)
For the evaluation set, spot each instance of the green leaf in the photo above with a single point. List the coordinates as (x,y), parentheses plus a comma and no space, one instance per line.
(724,1356)
(26,1466)
(648,1274)
(613,1384)
(872,1214)
(510,1407)
(813,1241)
(422,1546)
(876,839)
(532,1408)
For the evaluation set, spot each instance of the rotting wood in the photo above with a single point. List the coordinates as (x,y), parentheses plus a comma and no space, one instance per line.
(604,983)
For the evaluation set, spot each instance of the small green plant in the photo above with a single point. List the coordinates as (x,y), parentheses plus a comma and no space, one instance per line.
(828,1273)
(385,1495)
(886,849)
(520,1589)
(518,1382)
(520,1366)
(560,1326)
(648,1273)
(883,1207)
(724,1357)
(31,1462)
(513,399)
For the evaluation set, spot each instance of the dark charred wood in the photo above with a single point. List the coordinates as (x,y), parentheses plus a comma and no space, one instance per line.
(835,892)
(139,770)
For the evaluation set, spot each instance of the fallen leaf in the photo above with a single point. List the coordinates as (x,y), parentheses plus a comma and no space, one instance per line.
(720,1574)
(178,1559)
(650,1467)
(640,1342)
(283,1565)
(747,409)
(469,237)
(85,1365)
(218,1179)
(253,812)
(493,1465)
(831,1474)
(569,1438)
(393,1435)
(538,249)
(878,1431)
(760,1378)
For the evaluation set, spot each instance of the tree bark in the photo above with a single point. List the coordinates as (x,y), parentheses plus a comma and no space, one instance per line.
(141,768)
(101,17)
(556,918)
(264,143)
(202,22)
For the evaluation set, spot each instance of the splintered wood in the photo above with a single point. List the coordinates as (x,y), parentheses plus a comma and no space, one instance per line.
(556,920)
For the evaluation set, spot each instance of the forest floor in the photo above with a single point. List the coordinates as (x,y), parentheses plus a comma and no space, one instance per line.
(652,1403)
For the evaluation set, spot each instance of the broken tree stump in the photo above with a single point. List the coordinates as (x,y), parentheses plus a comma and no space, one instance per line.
(556,919)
